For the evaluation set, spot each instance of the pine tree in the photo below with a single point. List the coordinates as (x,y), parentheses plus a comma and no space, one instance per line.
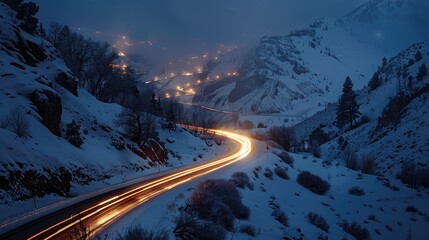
(375,82)
(347,109)
(423,71)
(418,56)
(384,61)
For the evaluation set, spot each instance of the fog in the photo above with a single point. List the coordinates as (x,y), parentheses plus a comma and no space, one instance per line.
(169,29)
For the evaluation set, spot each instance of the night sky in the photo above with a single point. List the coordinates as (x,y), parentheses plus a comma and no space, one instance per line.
(189,26)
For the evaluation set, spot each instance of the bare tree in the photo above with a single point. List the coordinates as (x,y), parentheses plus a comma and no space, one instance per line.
(17,122)
(284,136)
(137,124)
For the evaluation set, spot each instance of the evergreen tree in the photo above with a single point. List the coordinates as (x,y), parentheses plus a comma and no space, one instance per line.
(384,61)
(418,56)
(423,71)
(347,109)
(375,82)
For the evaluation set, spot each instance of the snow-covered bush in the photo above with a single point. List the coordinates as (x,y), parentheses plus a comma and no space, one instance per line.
(248,229)
(268,173)
(118,143)
(189,226)
(277,213)
(73,135)
(357,231)
(281,172)
(241,180)
(357,191)
(318,221)
(139,232)
(218,200)
(286,157)
(313,182)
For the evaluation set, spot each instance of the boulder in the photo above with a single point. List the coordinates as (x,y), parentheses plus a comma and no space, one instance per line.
(49,107)
(68,82)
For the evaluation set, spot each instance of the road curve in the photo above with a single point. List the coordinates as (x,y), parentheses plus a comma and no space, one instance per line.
(95,214)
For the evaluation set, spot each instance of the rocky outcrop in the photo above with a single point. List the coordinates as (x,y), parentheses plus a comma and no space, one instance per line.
(68,82)
(49,107)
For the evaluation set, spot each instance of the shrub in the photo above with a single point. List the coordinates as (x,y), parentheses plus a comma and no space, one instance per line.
(350,158)
(188,226)
(357,231)
(268,173)
(423,177)
(139,232)
(319,135)
(223,191)
(285,157)
(280,216)
(72,134)
(411,209)
(241,180)
(281,173)
(277,213)
(357,191)
(313,182)
(247,124)
(261,125)
(248,229)
(17,122)
(284,136)
(318,221)
(408,174)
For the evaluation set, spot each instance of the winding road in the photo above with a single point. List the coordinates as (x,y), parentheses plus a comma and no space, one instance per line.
(91,216)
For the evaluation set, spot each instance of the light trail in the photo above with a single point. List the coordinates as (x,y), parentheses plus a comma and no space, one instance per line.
(101,211)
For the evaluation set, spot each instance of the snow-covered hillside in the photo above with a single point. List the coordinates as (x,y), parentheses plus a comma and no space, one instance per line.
(298,74)
(37,89)
(393,137)
(381,22)
(386,208)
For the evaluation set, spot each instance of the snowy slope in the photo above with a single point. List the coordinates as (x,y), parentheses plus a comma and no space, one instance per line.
(30,68)
(381,210)
(393,144)
(298,74)
(381,22)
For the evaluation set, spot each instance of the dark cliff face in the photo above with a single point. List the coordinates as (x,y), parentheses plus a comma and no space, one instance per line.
(68,82)
(49,107)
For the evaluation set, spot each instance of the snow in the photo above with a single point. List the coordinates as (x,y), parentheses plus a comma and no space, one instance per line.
(42,150)
(386,204)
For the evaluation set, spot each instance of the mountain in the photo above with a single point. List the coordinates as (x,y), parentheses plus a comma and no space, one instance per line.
(301,72)
(57,140)
(394,127)
(380,22)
